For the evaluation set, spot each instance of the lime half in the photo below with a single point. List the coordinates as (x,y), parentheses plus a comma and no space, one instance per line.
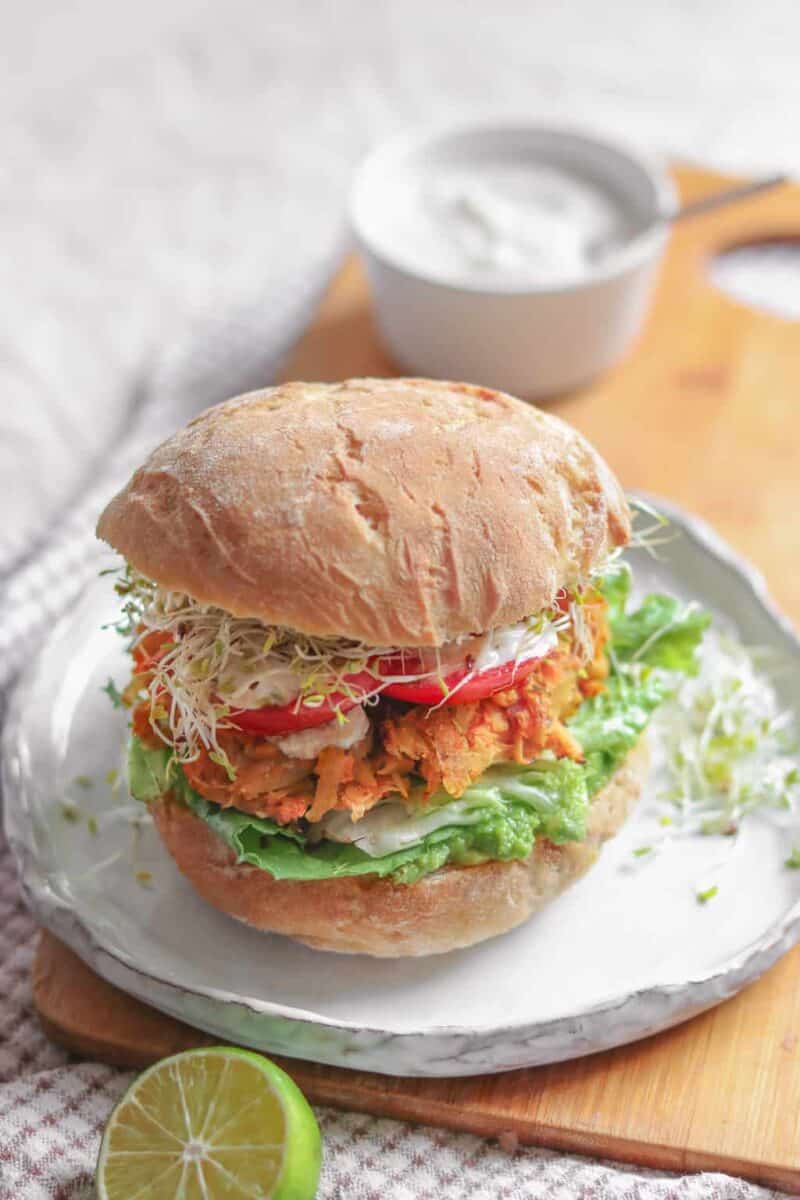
(211,1123)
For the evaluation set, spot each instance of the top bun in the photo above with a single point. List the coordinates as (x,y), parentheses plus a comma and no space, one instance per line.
(401,512)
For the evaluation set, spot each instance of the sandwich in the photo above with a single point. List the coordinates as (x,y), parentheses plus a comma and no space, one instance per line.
(388,694)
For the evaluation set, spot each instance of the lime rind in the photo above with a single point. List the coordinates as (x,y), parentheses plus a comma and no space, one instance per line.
(193,1127)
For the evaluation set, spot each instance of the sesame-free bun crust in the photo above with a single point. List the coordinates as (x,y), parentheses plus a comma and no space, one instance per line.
(400,512)
(454,907)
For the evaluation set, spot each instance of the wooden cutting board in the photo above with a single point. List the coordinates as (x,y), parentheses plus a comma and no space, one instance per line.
(706,411)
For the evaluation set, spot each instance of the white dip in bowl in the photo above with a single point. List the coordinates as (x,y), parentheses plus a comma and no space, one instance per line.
(518,257)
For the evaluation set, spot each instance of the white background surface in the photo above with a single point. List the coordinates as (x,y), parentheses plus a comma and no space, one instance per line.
(164,162)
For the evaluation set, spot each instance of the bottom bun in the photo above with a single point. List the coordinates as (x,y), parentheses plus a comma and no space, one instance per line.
(454,907)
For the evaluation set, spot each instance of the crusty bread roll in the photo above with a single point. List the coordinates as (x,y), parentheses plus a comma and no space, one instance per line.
(401,512)
(454,907)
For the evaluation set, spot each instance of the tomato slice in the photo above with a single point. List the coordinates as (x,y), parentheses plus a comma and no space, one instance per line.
(149,649)
(274,720)
(481,685)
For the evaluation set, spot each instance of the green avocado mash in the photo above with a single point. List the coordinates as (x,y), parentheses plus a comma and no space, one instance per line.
(509,806)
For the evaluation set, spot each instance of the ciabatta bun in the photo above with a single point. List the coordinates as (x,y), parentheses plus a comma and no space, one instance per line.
(400,512)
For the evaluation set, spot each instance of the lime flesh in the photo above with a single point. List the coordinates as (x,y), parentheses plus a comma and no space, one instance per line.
(207,1124)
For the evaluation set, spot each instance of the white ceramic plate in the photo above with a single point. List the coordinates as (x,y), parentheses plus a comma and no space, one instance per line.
(621,955)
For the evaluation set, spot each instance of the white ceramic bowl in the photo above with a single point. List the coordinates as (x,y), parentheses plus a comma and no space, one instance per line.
(519,337)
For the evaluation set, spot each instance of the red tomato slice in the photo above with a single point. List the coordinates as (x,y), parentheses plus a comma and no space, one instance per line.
(272,721)
(482,684)
(149,649)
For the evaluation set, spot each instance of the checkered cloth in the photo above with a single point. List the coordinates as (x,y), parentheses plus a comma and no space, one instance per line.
(52,1113)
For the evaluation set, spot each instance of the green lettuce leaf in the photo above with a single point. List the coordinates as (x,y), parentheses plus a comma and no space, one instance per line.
(663,631)
(616,587)
(149,771)
(254,841)
(610,724)
(509,806)
(547,798)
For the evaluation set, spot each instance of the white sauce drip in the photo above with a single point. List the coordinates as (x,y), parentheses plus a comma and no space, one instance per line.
(484,651)
(267,681)
(518,642)
(390,827)
(307,743)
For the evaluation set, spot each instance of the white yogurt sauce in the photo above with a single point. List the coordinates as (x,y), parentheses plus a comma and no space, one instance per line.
(307,743)
(389,826)
(503,222)
(485,651)
(514,642)
(267,681)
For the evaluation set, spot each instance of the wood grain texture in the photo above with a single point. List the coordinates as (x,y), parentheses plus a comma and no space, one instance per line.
(719,1093)
(705,411)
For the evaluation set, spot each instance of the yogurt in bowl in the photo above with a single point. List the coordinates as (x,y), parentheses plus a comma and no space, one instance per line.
(519,257)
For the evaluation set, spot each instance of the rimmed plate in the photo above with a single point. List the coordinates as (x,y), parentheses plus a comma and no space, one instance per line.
(623,954)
